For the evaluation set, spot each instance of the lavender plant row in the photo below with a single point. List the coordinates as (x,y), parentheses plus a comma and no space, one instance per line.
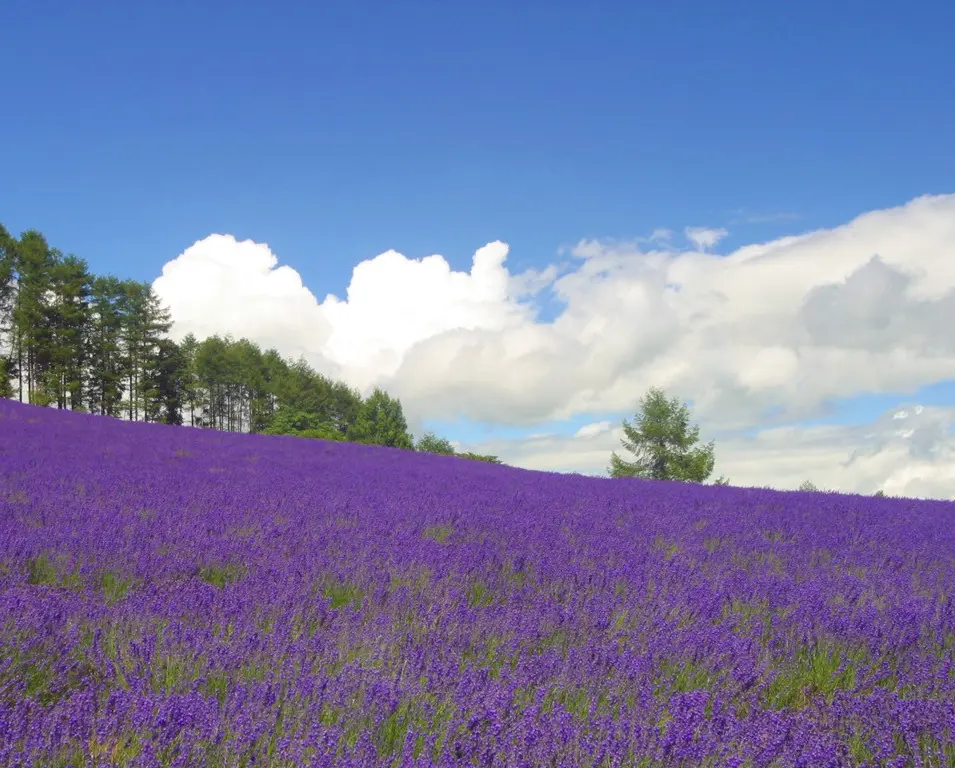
(177,597)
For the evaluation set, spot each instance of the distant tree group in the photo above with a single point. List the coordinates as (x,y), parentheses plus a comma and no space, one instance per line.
(430,443)
(662,443)
(75,340)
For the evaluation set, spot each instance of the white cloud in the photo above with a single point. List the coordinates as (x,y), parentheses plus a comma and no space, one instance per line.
(393,302)
(918,461)
(219,285)
(593,430)
(660,235)
(781,326)
(704,238)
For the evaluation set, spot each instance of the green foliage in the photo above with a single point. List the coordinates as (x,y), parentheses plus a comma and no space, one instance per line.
(479,595)
(480,457)
(6,374)
(324,432)
(41,571)
(807,485)
(381,421)
(812,671)
(683,675)
(342,594)
(100,344)
(106,361)
(145,322)
(662,441)
(166,375)
(438,533)
(114,586)
(290,422)
(220,576)
(430,443)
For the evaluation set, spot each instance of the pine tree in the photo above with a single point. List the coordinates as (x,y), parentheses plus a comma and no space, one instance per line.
(145,322)
(68,318)
(190,384)
(105,358)
(662,441)
(34,261)
(165,383)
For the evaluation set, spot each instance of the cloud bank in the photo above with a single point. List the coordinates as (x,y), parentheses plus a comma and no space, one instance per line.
(907,452)
(772,330)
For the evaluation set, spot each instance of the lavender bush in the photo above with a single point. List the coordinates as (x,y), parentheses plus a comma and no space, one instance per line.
(176,597)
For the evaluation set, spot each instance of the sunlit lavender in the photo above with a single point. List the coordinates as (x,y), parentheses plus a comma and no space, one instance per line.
(180,597)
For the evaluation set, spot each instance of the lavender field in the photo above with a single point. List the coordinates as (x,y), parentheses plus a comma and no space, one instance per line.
(177,597)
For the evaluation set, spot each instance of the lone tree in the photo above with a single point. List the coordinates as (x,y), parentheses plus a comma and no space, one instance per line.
(431,443)
(662,441)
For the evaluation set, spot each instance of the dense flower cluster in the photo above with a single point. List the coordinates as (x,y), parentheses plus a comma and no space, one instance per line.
(180,597)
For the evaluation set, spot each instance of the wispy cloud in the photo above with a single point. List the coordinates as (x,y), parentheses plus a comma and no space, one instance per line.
(593,430)
(704,238)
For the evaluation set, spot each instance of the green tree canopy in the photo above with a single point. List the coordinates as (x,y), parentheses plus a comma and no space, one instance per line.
(487,458)
(288,421)
(662,443)
(381,421)
(431,443)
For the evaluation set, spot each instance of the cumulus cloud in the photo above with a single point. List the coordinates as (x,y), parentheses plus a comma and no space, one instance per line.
(769,333)
(220,285)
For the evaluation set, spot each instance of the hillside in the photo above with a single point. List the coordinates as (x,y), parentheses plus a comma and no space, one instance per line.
(172,596)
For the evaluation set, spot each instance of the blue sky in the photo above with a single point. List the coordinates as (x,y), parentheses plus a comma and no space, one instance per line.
(336,131)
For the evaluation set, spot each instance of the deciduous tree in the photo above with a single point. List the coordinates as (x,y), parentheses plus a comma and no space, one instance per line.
(381,421)
(431,443)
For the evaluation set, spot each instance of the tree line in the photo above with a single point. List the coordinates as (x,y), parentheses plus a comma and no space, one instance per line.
(100,344)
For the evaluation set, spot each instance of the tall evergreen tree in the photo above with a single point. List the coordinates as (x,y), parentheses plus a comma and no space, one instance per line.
(166,384)
(211,369)
(105,357)
(662,441)
(68,317)
(190,384)
(34,260)
(145,322)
